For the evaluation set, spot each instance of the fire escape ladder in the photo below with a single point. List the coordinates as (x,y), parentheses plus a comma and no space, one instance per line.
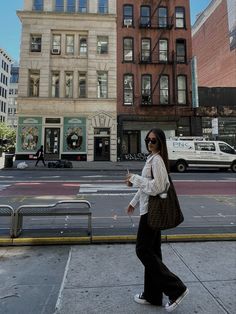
(158,80)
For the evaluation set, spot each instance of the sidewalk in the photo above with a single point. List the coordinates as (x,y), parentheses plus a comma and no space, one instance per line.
(102,279)
(82,165)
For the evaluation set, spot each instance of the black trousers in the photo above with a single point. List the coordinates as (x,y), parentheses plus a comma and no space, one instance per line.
(158,279)
(38,159)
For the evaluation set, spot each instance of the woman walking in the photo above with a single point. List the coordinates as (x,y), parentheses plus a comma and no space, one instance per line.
(158,279)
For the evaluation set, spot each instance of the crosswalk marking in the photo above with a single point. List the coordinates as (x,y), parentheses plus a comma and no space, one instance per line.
(3,186)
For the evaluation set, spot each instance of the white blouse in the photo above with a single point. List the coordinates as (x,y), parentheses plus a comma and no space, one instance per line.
(148,185)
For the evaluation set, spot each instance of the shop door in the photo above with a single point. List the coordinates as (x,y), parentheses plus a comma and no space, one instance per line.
(101,148)
(52,143)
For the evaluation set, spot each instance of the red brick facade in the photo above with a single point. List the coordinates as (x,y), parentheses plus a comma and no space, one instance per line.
(215,61)
(138,114)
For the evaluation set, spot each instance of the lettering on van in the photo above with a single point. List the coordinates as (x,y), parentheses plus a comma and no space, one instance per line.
(182,144)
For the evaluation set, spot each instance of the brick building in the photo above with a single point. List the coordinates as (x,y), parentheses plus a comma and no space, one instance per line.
(153,71)
(5,73)
(214,44)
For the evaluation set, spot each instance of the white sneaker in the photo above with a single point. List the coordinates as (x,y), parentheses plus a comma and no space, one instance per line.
(172,304)
(139,298)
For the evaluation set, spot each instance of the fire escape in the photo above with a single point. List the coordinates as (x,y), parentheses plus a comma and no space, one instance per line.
(162,23)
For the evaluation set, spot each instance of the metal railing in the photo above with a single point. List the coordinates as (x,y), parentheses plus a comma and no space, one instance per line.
(8,211)
(60,208)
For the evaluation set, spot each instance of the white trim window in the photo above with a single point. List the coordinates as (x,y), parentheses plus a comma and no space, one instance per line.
(102,84)
(69,84)
(69,44)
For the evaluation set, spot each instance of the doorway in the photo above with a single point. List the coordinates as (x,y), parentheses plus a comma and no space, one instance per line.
(102,148)
(52,143)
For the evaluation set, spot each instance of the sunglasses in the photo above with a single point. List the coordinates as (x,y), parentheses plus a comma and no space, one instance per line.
(149,140)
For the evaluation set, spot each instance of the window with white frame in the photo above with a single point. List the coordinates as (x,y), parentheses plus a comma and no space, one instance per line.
(34,80)
(103,6)
(128,87)
(37,5)
(163,50)
(35,43)
(182,89)
(55,84)
(83,46)
(70,44)
(179,17)
(59,5)
(70,6)
(102,44)
(164,89)
(128,47)
(82,85)
(56,44)
(102,83)
(82,6)
(69,84)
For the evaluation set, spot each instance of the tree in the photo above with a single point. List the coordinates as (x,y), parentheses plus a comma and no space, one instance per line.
(7,138)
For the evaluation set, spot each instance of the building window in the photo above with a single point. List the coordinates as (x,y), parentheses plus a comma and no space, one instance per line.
(163,50)
(38,5)
(102,44)
(55,84)
(35,43)
(128,47)
(83,46)
(70,44)
(128,15)
(182,89)
(82,85)
(82,6)
(69,85)
(103,6)
(181,50)
(34,80)
(59,6)
(70,8)
(164,89)
(146,50)
(128,86)
(179,17)
(146,89)
(145,16)
(102,78)
(56,44)
(162,17)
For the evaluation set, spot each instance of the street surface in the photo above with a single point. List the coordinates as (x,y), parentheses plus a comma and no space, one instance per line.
(207,199)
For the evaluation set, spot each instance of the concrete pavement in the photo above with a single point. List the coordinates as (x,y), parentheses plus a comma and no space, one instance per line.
(102,279)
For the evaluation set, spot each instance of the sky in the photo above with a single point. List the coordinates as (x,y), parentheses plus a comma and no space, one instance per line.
(10,26)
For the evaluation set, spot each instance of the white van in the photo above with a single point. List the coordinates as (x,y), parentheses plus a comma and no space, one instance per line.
(187,152)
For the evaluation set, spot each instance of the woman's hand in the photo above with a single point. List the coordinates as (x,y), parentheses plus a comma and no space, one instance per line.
(128,183)
(130,209)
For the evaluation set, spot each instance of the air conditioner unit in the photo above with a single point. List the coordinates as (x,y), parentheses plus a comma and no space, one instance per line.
(55,51)
(128,22)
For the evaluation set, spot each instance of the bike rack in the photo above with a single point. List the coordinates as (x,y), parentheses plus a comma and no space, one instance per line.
(8,211)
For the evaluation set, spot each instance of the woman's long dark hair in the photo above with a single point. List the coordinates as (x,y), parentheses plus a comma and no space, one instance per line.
(160,135)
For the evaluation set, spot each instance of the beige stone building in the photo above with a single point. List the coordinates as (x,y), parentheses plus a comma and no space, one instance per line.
(67,81)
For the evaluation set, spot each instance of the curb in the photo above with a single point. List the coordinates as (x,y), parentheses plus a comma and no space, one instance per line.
(114,239)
